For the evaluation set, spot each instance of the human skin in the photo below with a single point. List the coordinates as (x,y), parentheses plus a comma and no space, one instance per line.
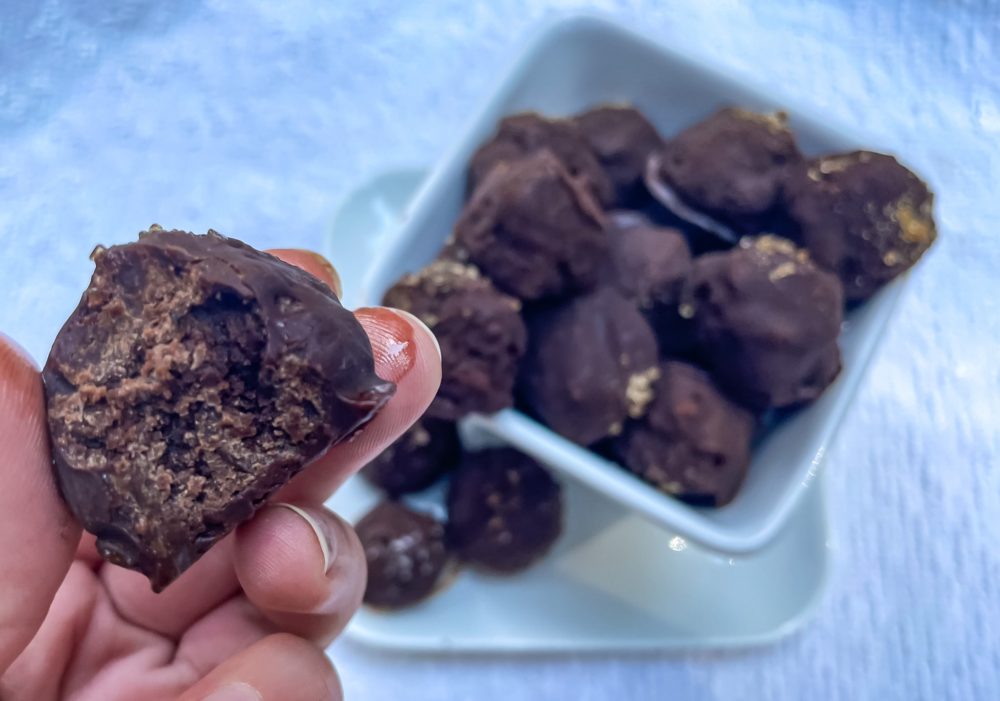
(247,622)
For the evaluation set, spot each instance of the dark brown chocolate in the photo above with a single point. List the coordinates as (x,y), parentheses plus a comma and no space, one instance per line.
(729,168)
(504,510)
(862,215)
(590,364)
(428,450)
(648,266)
(694,443)
(480,332)
(622,139)
(533,230)
(528,133)
(196,377)
(767,320)
(405,552)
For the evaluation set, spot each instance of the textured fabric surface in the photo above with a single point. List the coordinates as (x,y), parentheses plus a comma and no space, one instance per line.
(254,117)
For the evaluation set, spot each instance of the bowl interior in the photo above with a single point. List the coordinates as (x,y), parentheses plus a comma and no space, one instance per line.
(569,67)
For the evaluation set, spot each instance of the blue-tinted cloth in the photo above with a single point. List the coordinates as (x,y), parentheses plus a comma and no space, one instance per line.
(254,117)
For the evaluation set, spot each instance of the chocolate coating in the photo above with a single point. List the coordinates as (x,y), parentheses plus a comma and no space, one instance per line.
(528,133)
(648,266)
(428,450)
(730,166)
(694,443)
(533,230)
(862,215)
(622,139)
(405,552)
(767,320)
(504,510)
(480,332)
(195,378)
(590,364)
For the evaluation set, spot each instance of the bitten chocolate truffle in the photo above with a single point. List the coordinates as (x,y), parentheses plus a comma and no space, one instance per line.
(528,133)
(405,552)
(694,443)
(767,320)
(590,364)
(862,215)
(480,332)
(648,265)
(417,459)
(729,168)
(533,230)
(504,510)
(622,139)
(195,378)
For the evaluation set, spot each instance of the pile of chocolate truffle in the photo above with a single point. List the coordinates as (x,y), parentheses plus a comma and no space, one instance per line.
(650,298)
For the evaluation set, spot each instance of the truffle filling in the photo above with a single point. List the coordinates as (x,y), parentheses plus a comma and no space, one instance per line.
(176,405)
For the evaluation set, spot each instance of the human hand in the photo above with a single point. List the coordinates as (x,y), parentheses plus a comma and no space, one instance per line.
(247,622)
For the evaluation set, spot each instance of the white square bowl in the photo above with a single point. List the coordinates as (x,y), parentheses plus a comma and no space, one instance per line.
(573,64)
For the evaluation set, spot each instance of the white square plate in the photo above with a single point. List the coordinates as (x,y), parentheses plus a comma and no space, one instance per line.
(614,581)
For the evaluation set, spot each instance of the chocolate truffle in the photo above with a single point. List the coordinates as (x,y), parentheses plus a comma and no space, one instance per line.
(533,230)
(648,265)
(528,133)
(480,332)
(504,510)
(862,215)
(405,552)
(694,443)
(591,362)
(622,139)
(195,378)
(417,459)
(726,169)
(767,320)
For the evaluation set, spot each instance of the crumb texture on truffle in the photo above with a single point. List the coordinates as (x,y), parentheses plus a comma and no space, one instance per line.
(862,215)
(767,321)
(478,328)
(529,133)
(694,443)
(533,230)
(196,377)
(588,365)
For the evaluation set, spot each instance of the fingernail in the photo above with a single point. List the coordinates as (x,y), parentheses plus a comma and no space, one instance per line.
(420,325)
(327,543)
(392,338)
(331,272)
(237,691)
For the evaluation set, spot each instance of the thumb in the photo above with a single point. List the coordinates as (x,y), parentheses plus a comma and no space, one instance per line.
(37,533)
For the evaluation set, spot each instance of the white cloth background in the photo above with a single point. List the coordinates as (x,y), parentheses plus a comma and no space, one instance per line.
(254,117)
